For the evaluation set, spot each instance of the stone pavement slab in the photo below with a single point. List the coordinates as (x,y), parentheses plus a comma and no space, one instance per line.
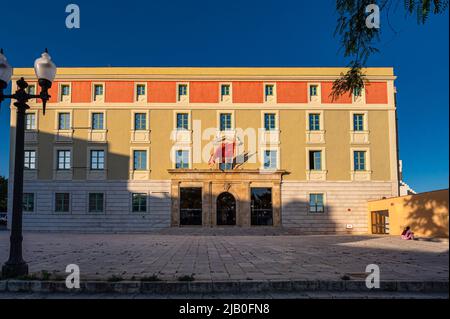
(234,254)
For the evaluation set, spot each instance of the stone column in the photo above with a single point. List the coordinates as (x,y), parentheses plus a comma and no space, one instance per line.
(175,194)
(206,205)
(276,203)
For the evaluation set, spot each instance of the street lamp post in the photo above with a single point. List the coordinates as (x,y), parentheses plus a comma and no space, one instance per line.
(45,71)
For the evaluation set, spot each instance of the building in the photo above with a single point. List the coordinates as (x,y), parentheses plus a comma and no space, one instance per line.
(136,149)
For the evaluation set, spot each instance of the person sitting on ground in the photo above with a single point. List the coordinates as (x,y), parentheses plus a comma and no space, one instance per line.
(407,234)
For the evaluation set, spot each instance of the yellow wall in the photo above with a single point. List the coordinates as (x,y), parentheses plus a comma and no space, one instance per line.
(292,141)
(426,213)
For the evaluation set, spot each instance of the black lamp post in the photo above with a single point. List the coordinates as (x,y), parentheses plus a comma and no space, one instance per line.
(45,71)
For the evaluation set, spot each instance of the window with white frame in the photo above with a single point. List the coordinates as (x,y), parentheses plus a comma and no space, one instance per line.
(96,202)
(182,91)
(62,202)
(315,160)
(314,122)
(225,90)
(359,160)
(31,89)
(270,121)
(316,203)
(98,91)
(225,121)
(29,159)
(28,202)
(97,160)
(140,160)
(270,159)
(64,92)
(63,121)
(97,121)
(181,159)
(30,121)
(182,121)
(269,91)
(358,122)
(63,160)
(313,90)
(139,202)
(140,121)
(140,91)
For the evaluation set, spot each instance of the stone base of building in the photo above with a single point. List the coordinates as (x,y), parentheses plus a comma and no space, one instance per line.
(230,200)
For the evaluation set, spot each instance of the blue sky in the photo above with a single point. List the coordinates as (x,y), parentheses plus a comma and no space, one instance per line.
(245,33)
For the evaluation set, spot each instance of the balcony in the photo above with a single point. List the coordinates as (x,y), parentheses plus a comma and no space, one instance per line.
(316,175)
(315,137)
(97,136)
(359,137)
(64,136)
(140,136)
(182,136)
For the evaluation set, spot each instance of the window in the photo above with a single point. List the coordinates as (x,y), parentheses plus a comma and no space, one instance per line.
(98,121)
(313,90)
(140,90)
(225,90)
(62,202)
(182,159)
(140,160)
(65,91)
(30,160)
(140,121)
(63,160)
(358,122)
(225,121)
(182,121)
(139,202)
(359,160)
(28,202)
(315,160)
(182,90)
(98,91)
(30,121)
(31,89)
(269,90)
(314,122)
(96,202)
(269,121)
(64,121)
(316,204)
(270,159)
(97,159)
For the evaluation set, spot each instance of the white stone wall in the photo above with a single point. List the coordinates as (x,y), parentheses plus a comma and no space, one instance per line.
(117,215)
(345,203)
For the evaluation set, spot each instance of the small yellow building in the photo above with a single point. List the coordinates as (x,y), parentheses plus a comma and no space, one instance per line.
(426,214)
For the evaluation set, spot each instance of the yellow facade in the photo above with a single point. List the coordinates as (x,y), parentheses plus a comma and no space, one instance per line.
(292,142)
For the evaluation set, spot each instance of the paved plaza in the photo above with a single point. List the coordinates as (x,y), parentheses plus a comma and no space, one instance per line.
(232,254)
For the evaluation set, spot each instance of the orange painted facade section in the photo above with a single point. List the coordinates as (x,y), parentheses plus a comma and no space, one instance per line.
(162,92)
(204,92)
(81,92)
(248,92)
(327,88)
(53,92)
(376,93)
(119,92)
(292,92)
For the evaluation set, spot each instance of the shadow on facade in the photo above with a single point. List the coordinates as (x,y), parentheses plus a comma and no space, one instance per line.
(161,207)
(428,215)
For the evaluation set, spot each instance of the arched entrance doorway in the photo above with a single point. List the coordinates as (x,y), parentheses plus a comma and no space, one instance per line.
(226,209)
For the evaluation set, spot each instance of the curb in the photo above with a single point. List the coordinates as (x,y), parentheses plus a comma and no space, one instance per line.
(247,286)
